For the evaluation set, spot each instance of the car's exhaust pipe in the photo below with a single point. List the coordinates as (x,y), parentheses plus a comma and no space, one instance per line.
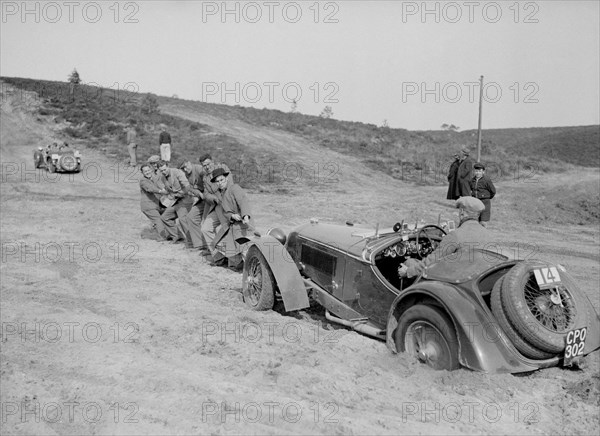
(359,326)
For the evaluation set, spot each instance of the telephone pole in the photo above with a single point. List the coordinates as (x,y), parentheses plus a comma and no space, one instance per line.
(479,123)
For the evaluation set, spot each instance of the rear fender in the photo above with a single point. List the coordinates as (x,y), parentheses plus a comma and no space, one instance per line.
(286,274)
(482,344)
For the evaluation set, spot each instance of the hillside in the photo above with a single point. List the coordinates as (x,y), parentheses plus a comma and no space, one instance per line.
(99,115)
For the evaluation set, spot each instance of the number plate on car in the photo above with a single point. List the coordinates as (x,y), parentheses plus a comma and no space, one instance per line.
(575,344)
(547,277)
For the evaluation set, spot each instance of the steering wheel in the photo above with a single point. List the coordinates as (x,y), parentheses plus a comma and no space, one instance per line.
(423,252)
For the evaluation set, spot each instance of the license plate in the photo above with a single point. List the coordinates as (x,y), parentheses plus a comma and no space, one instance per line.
(574,345)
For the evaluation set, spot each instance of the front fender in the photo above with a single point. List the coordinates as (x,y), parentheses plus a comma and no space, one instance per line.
(286,274)
(483,346)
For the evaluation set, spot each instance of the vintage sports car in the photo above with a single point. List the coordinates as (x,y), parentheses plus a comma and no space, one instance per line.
(474,308)
(57,158)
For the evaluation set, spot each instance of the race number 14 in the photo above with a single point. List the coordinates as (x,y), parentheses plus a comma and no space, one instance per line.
(547,277)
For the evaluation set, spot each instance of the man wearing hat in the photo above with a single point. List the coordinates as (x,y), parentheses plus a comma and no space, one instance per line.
(483,189)
(151,190)
(464,174)
(212,216)
(452,173)
(153,162)
(237,228)
(468,236)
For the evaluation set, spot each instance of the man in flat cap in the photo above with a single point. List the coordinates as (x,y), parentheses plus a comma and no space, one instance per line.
(212,216)
(468,236)
(483,189)
(153,162)
(236,230)
(464,174)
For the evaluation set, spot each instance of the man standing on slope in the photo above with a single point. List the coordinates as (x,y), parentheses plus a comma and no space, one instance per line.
(164,140)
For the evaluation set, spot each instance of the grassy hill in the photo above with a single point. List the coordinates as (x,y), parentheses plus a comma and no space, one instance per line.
(99,116)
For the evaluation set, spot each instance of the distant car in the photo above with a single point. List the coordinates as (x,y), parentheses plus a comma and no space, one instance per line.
(476,309)
(57,158)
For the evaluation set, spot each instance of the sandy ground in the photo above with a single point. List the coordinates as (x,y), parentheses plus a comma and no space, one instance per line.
(105,331)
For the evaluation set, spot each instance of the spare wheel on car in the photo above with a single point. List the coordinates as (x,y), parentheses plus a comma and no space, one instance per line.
(543,314)
(68,162)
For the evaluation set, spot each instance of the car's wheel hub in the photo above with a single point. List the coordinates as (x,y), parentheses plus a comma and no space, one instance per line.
(553,308)
(425,342)
(254,280)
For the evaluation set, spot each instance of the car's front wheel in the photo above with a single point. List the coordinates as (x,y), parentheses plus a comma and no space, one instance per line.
(259,286)
(428,334)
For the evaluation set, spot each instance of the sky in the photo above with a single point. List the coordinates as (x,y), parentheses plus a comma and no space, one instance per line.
(413,65)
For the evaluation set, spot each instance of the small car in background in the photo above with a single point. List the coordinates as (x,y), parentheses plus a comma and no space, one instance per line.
(57,158)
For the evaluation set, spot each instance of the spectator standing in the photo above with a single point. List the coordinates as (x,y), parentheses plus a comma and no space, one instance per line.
(483,189)
(132,145)
(164,140)
(452,178)
(464,174)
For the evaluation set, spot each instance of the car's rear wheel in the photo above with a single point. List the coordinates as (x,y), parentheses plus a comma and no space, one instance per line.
(520,344)
(259,288)
(543,317)
(428,334)
(50,166)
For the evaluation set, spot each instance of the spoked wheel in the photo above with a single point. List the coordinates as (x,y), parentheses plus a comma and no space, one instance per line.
(426,333)
(259,284)
(542,316)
